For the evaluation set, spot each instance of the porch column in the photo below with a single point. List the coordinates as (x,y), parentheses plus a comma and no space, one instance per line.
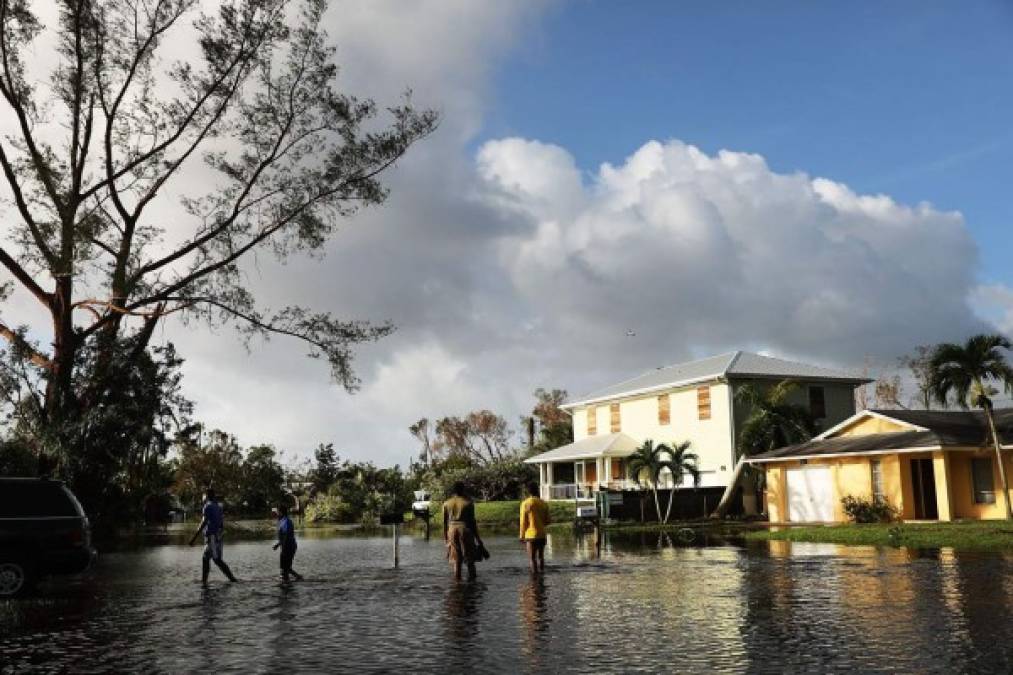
(944,493)
(608,470)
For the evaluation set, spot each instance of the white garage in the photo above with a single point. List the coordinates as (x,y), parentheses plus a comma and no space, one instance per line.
(810,495)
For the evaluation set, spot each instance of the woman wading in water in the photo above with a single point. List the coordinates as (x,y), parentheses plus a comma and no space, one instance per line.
(460,531)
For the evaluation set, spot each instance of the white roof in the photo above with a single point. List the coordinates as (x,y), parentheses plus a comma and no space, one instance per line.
(733,365)
(592,447)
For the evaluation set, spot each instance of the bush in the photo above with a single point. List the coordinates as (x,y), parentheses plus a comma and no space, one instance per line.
(491,482)
(861,510)
(328,508)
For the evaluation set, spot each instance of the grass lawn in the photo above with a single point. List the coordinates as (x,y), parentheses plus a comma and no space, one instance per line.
(990,535)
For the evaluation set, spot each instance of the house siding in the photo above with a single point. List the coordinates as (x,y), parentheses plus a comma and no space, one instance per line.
(853,476)
(711,438)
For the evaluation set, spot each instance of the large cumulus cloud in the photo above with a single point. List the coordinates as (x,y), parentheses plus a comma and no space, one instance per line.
(701,253)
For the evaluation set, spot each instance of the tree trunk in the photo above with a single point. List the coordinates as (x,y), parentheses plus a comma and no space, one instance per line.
(671,497)
(657,504)
(998,456)
(726,497)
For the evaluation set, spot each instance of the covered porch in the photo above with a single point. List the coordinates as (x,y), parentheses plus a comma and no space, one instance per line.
(578,470)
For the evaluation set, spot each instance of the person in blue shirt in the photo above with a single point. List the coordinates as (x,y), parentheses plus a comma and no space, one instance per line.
(286,542)
(212,524)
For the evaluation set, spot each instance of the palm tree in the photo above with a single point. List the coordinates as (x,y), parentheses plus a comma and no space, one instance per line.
(773,422)
(966,370)
(649,458)
(680,463)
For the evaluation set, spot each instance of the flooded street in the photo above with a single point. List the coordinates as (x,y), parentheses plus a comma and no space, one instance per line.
(642,605)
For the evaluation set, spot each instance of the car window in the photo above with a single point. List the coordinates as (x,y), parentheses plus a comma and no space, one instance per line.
(36,500)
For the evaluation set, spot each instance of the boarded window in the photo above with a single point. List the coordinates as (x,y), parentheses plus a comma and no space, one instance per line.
(703,402)
(981,477)
(614,414)
(664,409)
(817,403)
(617,469)
(877,481)
(592,421)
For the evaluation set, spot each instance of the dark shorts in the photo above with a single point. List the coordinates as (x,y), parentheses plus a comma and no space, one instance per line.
(537,543)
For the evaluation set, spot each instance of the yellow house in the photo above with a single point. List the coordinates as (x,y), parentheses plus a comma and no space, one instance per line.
(929,465)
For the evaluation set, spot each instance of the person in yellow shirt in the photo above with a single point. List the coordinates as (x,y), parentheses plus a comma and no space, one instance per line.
(534,521)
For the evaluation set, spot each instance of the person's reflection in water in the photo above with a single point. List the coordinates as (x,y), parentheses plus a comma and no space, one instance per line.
(535,621)
(286,648)
(462,626)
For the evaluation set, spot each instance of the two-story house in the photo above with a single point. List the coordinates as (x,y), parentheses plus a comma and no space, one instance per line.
(692,401)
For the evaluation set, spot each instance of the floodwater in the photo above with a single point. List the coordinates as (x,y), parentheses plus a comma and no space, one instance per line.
(636,604)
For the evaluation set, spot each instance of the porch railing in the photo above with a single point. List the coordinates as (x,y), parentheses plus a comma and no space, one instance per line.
(583,490)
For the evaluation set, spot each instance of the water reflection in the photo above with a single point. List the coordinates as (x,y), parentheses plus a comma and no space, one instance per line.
(535,620)
(759,607)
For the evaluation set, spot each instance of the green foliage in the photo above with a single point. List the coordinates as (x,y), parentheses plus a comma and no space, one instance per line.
(861,510)
(773,422)
(489,482)
(554,425)
(967,369)
(326,470)
(360,492)
(654,460)
(263,481)
(16,459)
(327,508)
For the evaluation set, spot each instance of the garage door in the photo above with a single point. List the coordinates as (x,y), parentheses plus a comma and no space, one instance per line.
(810,497)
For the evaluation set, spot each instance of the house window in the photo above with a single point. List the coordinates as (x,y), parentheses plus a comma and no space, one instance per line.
(981,479)
(817,403)
(703,403)
(592,421)
(615,422)
(877,481)
(664,409)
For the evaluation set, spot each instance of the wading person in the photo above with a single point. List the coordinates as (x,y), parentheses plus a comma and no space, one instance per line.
(534,520)
(212,524)
(460,531)
(286,542)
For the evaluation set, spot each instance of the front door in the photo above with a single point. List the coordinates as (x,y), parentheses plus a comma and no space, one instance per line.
(923,484)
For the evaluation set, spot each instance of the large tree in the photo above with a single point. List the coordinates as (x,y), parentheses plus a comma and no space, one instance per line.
(967,370)
(115,223)
(773,422)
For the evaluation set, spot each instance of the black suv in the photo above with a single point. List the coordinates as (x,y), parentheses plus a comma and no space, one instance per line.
(43,530)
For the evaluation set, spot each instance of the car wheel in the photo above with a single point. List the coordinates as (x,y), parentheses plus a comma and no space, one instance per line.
(16,579)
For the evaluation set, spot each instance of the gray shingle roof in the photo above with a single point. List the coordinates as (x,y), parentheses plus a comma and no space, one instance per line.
(737,364)
(944,428)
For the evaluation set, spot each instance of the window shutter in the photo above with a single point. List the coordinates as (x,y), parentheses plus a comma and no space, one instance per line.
(614,413)
(664,409)
(703,402)
(592,421)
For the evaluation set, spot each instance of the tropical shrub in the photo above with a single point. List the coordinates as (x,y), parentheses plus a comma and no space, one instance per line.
(328,508)
(861,510)
(489,482)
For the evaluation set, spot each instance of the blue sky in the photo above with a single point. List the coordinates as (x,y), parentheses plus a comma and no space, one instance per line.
(909,98)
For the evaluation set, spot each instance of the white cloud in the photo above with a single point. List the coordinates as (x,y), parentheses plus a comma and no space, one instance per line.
(509,268)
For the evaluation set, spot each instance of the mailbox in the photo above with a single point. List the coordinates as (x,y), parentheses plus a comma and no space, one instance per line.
(586,512)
